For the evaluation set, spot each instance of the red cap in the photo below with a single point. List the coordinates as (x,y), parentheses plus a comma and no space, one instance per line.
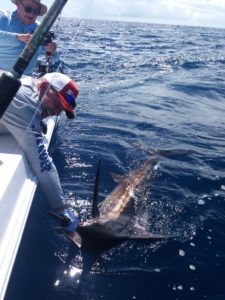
(67,91)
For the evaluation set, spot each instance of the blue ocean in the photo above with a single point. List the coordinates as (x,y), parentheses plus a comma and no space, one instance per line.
(143,87)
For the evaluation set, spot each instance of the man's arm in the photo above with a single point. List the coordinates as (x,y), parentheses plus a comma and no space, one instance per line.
(6,37)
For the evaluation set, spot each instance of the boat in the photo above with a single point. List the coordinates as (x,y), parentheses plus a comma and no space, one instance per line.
(18,185)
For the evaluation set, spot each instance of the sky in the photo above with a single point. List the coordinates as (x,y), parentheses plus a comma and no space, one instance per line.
(184,12)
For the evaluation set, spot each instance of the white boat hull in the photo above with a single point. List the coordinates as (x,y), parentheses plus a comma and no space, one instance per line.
(17,188)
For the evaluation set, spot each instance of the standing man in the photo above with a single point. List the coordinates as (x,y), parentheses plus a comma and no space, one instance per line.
(16,29)
(35,100)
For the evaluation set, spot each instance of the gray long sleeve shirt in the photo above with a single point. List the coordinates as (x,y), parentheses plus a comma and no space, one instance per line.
(22,119)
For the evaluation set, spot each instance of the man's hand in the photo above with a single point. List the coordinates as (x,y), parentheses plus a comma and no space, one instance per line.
(24,38)
(71,219)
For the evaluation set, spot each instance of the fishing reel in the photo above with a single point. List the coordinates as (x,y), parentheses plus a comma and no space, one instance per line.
(49,37)
(44,67)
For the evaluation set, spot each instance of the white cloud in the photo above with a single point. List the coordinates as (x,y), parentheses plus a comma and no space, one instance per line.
(190,12)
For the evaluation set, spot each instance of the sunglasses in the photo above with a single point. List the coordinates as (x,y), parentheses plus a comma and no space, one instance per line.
(71,100)
(30,10)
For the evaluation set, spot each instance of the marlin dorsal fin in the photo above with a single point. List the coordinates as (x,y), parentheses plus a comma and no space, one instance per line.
(95,210)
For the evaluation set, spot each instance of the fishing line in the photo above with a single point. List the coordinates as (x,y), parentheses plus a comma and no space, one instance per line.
(75,33)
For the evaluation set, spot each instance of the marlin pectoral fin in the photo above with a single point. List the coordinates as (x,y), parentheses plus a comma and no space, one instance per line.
(95,210)
(117,178)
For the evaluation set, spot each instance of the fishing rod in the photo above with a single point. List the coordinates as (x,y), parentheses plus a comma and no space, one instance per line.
(10,81)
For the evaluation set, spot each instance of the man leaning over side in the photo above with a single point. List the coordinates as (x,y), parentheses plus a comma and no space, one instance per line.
(35,100)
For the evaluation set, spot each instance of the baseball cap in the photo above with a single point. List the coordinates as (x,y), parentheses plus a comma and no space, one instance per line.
(67,91)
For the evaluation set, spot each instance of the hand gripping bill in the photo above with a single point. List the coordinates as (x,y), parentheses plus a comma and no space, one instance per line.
(68,220)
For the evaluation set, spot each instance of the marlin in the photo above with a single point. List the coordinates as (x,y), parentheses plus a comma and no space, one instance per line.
(113,221)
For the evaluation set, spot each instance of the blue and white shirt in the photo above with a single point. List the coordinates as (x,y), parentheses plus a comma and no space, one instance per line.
(10,46)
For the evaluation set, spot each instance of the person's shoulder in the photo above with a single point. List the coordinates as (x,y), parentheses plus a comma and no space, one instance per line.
(6,14)
(28,90)
(28,81)
(6,17)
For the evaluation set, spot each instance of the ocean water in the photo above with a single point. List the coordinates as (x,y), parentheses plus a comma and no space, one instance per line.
(142,87)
